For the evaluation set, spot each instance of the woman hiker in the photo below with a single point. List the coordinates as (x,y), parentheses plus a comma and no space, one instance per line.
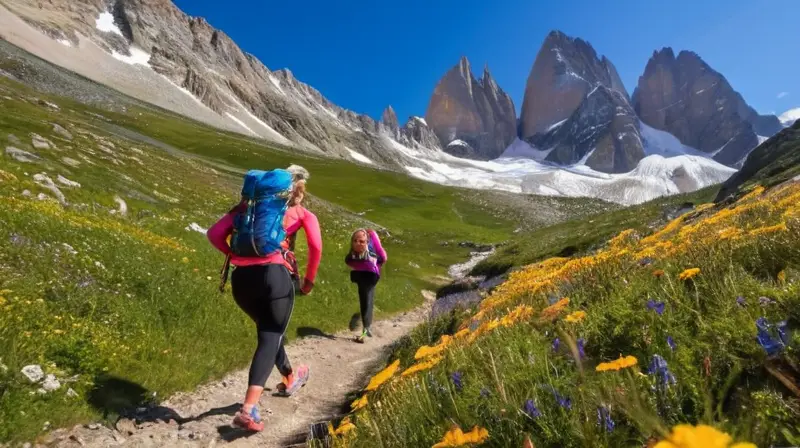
(366,258)
(264,288)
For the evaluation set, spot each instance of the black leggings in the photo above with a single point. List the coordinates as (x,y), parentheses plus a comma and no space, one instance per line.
(366,282)
(266,294)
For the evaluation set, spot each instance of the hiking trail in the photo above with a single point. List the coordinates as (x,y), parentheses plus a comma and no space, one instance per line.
(202,418)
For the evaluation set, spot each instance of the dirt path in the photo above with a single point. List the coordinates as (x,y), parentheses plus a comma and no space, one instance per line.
(202,418)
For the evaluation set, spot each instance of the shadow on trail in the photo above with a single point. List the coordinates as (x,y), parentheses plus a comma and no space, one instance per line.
(304,332)
(128,405)
(229,433)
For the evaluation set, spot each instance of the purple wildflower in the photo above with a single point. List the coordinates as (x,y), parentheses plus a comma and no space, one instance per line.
(741,301)
(531,410)
(659,368)
(764,301)
(581,344)
(564,402)
(646,261)
(457,380)
(671,343)
(764,337)
(658,307)
(556,344)
(604,418)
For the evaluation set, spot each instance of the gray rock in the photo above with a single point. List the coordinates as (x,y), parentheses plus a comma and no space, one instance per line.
(67,183)
(21,156)
(58,129)
(44,180)
(33,373)
(40,142)
(51,383)
(14,140)
(71,162)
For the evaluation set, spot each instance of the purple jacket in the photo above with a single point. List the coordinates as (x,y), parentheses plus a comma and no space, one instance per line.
(372,263)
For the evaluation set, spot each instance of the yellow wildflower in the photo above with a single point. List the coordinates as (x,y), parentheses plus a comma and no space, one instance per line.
(619,364)
(756,191)
(461,333)
(700,436)
(782,277)
(658,273)
(554,309)
(689,274)
(420,366)
(518,314)
(360,403)
(781,227)
(576,317)
(455,437)
(729,233)
(185,259)
(345,426)
(485,327)
(383,376)
(427,351)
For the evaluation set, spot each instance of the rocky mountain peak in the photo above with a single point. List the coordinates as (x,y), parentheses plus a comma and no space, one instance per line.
(389,118)
(565,70)
(477,115)
(684,96)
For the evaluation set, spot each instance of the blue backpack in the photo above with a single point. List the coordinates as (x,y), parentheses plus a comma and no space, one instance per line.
(258,230)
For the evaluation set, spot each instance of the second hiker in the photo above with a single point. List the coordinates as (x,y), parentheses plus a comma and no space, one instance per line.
(366,258)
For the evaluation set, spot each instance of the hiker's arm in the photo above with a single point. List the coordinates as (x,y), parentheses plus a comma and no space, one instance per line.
(218,233)
(314,242)
(376,241)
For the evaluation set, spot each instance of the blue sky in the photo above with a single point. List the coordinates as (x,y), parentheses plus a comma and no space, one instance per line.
(369,54)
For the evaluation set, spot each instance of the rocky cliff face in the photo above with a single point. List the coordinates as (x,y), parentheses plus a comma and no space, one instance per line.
(471,118)
(577,110)
(235,89)
(685,97)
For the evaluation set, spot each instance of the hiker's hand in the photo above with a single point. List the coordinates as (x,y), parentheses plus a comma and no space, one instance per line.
(308,285)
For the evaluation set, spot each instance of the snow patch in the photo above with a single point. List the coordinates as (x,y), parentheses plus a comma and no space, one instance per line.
(421,120)
(105,23)
(273,133)
(137,56)
(275,82)
(762,139)
(240,123)
(458,142)
(359,157)
(653,177)
(558,125)
(523,150)
(790,116)
(658,142)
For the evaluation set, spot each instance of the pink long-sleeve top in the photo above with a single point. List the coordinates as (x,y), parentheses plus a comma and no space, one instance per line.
(296,217)
(371,264)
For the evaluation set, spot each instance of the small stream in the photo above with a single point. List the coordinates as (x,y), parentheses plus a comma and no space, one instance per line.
(473,287)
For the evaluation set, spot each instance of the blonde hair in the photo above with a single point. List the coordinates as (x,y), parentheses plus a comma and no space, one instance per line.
(299,177)
(298,193)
